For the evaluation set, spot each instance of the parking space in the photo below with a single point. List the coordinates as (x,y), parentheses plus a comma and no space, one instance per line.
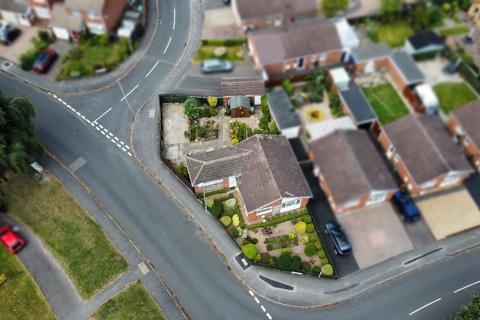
(13,51)
(449,212)
(433,70)
(219,23)
(376,234)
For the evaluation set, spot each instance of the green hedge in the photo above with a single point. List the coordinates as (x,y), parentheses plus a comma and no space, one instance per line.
(278,220)
(211,193)
(224,42)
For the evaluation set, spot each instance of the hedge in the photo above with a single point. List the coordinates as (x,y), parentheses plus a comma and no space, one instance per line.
(224,42)
(211,193)
(250,251)
(278,220)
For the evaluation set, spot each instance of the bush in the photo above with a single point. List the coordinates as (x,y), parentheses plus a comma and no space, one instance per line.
(292,235)
(327,270)
(192,108)
(286,250)
(285,261)
(310,250)
(324,261)
(3,278)
(235,220)
(231,202)
(300,227)
(104,40)
(272,261)
(310,228)
(181,169)
(307,218)
(278,220)
(212,101)
(250,251)
(304,240)
(209,203)
(234,141)
(318,245)
(287,86)
(321,254)
(239,131)
(27,59)
(226,221)
(269,247)
(316,270)
(296,264)
(306,267)
(272,128)
(216,209)
(202,132)
(313,237)
(314,97)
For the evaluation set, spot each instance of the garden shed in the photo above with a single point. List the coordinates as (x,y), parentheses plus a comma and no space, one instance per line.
(239,107)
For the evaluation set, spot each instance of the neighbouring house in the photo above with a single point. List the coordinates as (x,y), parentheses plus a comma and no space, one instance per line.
(248,87)
(262,168)
(239,107)
(355,104)
(427,97)
(64,25)
(99,16)
(464,126)
(284,114)
(474,12)
(426,42)
(17,12)
(423,153)
(304,45)
(325,127)
(254,14)
(351,170)
(41,8)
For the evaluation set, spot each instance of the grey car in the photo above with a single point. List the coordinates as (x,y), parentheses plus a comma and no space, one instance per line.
(216,65)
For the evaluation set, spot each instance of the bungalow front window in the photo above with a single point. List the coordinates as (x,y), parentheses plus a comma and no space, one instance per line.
(263,211)
(351,203)
(452,178)
(291,204)
(301,62)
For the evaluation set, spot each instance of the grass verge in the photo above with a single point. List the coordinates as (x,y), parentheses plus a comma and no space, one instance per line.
(454,31)
(393,34)
(134,302)
(452,95)
(386,103)
(207,52)
(20,298)
(66,229)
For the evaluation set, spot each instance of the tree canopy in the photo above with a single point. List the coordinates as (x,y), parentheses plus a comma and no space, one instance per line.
(332,7)
(470,311)
(17,134)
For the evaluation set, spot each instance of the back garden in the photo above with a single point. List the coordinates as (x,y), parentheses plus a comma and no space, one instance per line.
(288,242)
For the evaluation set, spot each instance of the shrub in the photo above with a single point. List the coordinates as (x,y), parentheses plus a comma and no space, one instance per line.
(300,227)
(231,202)
(307,218)
(306,267)
(272,261)
(296,264)
(202,132)
(304,240)
(216,209)
(212,101)
(235,220)
(324,261)
(287,86)
(234,141)
(314,97)
(286,250)
(316,270)
(181,169)
(3,278)
(327,270)
(250,251)
(313,237)
(226,221)
(269,247)
(27,59)
(292,235)
(285,261)
(104,40)
(310,228)
(254,240)
(240,131)
(272,127)
(209,203)
(310,250)
(321,254)
(318,245)
(192,108)
(279,219)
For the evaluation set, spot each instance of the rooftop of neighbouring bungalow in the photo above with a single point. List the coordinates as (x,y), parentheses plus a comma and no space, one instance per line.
(360,109)
(282,110)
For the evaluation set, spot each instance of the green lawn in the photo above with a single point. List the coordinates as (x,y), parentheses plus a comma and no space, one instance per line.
(452,95)
(454,31)
(233,53)
(66,229)
(20,298)
(393,34)
(134,302)
(386,103)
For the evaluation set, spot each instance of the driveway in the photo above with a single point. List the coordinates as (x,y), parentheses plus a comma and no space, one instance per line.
(20,45)
(437,210)
(433,70)
(376,234)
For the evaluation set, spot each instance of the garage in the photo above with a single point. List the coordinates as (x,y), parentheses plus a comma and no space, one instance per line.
(376,234)
(450,212)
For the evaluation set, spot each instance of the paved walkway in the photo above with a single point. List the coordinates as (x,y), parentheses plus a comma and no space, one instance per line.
(268,283)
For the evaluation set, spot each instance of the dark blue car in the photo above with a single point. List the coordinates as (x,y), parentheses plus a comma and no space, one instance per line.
(406,206)
(338,238)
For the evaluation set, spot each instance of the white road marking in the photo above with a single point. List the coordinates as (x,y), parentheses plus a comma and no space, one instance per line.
(127,147)
(118,145)
(129,154)
(256,300)
(55,96)
(154,66)
(251,293)
(125,97)
(263,308)
(88,121)
(467,286)
(116,138)
(97,128)
(124,150)
(100,126)
(168,44)
(269,316)
(423,307)
(102,132)
(151,113)
(174,13)
(103,114)
(122,143)
(112,140)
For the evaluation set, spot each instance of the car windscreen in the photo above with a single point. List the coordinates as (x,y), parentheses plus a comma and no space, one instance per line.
(16,245)
(41,59)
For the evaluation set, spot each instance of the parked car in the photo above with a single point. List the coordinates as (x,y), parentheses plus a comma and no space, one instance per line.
(216,65)
(44,60)
(11,240)
(406,206)
(8,34)
(338,238)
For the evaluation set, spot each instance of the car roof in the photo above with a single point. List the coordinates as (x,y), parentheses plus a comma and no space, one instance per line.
(10,238)
(212,62)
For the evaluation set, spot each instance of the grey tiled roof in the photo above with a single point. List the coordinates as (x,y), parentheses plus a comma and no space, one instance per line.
(408,67)
(13,6)
(425,147)
(282,110)
(264,165)
(469,118)
(371,51)
(249,9)
(242,87)
(86,5)
(358,104)
(351,165)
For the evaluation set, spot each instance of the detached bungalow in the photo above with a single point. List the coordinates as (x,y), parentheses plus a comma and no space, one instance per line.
(424,43)
(424,154)
(464,125)
(262,168)
(284,114)
(351,171)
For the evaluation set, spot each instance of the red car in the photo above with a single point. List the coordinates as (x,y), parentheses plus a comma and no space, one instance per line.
(10,239)
(44,60)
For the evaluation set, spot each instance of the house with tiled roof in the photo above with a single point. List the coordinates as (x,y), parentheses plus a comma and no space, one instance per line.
(351,170)
(264,171)
(463,124)
(423,153)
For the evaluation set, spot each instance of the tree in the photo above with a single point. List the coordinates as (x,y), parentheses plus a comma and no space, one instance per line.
(192,109)
(390,7)
(250,251)
(332,7)
(471,310)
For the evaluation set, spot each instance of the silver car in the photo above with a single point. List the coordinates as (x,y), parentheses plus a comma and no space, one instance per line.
(216,65)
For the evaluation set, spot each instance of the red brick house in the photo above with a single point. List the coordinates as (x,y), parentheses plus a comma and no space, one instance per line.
(254,14)
(41,8)
(303,45)
(464,125)
(423,153)
(262,168)
(350,170)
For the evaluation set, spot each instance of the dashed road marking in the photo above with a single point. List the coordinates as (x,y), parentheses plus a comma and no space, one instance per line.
(129,93)
(153,68)
(261,305)
(174,14)
(467,286)
(168,45)
(101,116)
(425,306)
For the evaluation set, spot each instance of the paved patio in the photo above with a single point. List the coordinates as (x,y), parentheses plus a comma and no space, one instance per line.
(433,70)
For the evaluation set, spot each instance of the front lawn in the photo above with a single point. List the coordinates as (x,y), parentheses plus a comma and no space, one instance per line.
(386,102)
(92,55)
(454,31)
(20,298)
(134,302)
(66,229)
(393,34)
(452,95)
(228,49)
